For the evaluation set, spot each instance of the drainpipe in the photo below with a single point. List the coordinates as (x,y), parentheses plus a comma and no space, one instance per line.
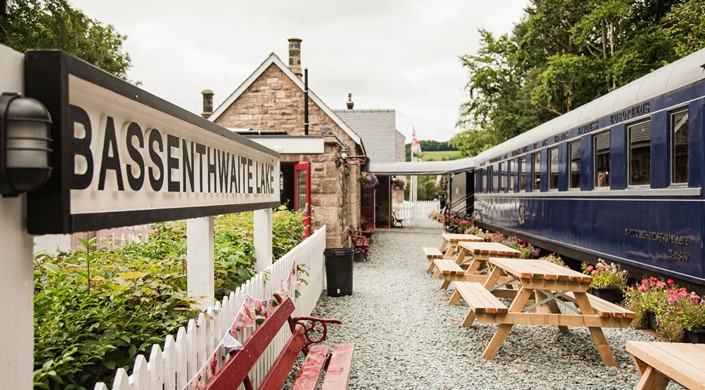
(305,101)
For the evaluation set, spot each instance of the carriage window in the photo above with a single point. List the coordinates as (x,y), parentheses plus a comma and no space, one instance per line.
(553,168)
(679,147)
(512,177)
(495,179)
(639,153)
(502,178)
(574,163)
(601,157)
(522,174)
(536,185)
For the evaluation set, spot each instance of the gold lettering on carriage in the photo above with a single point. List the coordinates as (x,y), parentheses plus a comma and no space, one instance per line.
(665,238)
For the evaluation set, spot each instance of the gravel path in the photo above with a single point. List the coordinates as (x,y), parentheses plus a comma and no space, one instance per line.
(407,337)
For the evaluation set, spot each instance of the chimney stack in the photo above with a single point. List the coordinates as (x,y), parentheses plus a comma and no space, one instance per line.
(350,102)
(207,103)
(295,56)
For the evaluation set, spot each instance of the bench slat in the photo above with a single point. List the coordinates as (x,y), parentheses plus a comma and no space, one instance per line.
(432,253)
(311,368)
(479,298)
(339,366)
(604,308)
(237,368)
(277,374)
(448,267)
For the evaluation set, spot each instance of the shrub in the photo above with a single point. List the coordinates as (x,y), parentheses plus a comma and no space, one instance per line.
(95,310)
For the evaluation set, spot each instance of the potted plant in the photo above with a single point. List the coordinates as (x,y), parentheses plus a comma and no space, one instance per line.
(608,280)
(648,299)
(683,317)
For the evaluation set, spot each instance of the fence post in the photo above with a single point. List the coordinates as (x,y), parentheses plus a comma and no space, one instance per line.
(263,238)
(17,277)
(199,261)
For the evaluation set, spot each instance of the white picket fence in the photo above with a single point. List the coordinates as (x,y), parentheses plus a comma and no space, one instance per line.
(416,214)
(173,366)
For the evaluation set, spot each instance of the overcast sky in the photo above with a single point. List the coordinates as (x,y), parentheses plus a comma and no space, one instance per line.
(390,54)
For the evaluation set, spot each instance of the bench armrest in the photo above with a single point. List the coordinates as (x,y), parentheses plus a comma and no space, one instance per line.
(312,326)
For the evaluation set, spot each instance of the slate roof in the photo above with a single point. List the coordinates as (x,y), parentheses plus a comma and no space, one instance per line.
(377,128)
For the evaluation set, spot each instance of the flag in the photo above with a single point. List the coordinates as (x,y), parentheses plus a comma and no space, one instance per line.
(415,144)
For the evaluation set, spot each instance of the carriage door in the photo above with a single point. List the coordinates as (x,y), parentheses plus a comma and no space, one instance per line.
(302,193)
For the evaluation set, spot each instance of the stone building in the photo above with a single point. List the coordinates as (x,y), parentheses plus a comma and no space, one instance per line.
(275,100)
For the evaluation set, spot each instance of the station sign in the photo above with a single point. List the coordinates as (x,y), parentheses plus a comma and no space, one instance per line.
(122,156)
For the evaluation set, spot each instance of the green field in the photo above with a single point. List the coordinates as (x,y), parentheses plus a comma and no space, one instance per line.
(441,155)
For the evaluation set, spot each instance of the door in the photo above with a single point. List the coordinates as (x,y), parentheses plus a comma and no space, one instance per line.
(302,193)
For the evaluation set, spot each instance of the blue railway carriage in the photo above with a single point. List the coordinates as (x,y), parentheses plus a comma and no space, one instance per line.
(619,178)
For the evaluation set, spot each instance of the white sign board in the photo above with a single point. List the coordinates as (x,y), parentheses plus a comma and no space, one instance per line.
(125,157)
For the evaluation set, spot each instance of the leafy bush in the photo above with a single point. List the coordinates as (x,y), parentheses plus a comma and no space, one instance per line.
(95,310)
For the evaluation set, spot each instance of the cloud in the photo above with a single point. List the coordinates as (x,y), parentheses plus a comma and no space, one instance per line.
(390,54)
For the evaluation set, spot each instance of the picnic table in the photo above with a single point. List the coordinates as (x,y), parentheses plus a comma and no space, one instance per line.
(541,284)
(458,269)
(450,241)
(659,362)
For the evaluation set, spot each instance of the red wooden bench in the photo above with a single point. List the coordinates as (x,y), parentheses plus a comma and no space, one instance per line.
(304,333)
(361,244)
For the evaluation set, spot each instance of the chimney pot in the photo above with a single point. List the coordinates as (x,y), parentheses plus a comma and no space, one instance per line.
(350,103)
(295,56)
(207,103)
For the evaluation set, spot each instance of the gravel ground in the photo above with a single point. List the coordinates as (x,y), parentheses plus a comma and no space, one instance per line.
(407,337)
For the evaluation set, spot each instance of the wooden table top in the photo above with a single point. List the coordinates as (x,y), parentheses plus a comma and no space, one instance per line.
(539,269)
(682,362)
(489,248)
(454,237)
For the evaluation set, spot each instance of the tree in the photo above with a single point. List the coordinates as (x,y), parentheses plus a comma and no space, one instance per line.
(53,24)
(566,53)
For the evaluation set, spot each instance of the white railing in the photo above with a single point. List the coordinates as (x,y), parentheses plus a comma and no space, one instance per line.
(173,366)
(416,214)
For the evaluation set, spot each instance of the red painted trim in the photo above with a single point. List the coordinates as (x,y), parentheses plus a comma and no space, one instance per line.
(311,369)
(338,370)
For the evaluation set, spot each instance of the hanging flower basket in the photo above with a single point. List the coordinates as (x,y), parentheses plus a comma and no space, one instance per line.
(368,180)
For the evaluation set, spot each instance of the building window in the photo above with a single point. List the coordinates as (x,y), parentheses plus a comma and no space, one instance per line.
(639,153)
(522,174)
(601,157)
(553,168)
(679,147)
(536,185)
(574,163)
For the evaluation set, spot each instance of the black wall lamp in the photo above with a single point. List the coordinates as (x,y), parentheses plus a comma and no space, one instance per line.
(25,128)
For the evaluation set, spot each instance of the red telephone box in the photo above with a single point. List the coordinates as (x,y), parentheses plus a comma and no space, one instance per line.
(302,193)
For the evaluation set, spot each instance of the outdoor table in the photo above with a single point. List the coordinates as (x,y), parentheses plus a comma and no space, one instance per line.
(449,242)
(481,252)
(659,362)
(476,269)
(541,284)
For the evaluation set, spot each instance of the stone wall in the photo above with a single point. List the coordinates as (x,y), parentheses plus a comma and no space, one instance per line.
(275,102)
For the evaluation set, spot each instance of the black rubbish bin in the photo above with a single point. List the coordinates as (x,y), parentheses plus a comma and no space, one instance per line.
(339,271)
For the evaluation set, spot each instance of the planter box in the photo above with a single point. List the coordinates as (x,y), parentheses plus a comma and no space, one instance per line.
(609,294)
(696,336)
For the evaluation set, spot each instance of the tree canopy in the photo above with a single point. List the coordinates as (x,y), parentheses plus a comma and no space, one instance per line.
(565,53)
(54,24)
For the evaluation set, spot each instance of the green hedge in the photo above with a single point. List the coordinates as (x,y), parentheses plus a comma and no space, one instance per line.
(136,296)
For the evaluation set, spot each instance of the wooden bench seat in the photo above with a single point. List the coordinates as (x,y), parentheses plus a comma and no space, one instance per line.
(659,363)
(449,271)
(431,254)
(479,299)
(608,310)
(336,364)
